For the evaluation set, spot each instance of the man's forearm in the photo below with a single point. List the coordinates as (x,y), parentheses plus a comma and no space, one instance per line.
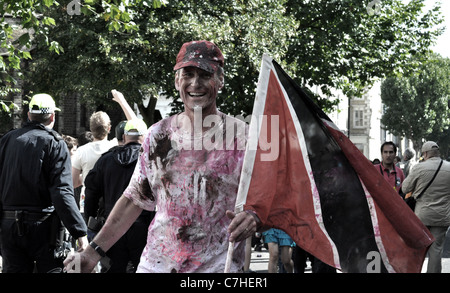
(119,98)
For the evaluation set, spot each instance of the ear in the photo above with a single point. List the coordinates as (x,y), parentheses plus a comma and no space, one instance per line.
(177,80)
(221,81)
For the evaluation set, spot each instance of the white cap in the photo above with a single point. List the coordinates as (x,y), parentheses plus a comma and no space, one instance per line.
(429,146)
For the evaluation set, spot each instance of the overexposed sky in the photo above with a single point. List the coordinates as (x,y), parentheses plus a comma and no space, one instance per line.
(443,42)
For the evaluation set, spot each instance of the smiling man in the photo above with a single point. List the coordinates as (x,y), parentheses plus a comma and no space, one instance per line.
(193,189)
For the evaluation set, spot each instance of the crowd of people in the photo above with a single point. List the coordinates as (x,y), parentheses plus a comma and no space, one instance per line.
(139,203)
(193,191)
(427,180)
(51,169)
(408,179)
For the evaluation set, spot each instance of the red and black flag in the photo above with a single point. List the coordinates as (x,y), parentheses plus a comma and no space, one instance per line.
(304,176)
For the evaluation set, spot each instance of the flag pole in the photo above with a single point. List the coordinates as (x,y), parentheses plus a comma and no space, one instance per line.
(250,150)
(229,257)
(237,210)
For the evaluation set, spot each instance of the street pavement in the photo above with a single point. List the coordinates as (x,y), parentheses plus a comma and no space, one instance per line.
(260,260)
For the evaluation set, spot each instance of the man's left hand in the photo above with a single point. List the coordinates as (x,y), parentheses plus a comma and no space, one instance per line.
(242,226)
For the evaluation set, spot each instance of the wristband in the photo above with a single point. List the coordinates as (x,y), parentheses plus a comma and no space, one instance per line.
(98,249)
(257,220)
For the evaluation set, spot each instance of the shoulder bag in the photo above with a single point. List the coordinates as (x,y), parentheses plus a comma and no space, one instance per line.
(411,201)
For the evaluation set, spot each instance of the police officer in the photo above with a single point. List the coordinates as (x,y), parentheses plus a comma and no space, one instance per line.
(36,192)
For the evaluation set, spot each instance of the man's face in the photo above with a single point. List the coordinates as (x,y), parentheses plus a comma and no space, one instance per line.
(198,88)
(388,154)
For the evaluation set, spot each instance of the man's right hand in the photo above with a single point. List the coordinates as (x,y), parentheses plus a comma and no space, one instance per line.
(117,96)
(81,262)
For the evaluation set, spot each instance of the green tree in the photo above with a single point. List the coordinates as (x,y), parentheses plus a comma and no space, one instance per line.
(333,44)
(416,106)
(347,45)
(140,62)
(27,23)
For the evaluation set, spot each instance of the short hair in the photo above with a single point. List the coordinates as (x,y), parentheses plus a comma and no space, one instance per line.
(41,118)
(85,138)
(388,143)
(100,124)
(70,141)
(409,153)
(120,130)
(434,153)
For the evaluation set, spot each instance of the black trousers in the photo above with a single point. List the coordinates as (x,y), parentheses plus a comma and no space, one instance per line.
(30,252)
(126,252)
(299,256)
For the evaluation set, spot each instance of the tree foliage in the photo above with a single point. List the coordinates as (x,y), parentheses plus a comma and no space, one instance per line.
(345,45)
(417,106)
(332,44)
(27,24)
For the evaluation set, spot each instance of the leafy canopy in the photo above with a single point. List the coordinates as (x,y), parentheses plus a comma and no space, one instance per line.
(417,106)
(131,46)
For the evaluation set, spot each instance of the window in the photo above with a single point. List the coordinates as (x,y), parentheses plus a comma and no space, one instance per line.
(358,118)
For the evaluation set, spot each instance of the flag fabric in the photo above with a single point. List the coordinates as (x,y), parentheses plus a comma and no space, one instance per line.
(304,176)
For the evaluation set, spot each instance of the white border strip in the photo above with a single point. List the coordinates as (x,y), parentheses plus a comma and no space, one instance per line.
(376,229)
(254,131)
(373,216)
(315,192)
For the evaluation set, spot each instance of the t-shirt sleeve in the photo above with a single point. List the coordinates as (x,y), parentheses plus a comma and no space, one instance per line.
(76,160)
(139,189)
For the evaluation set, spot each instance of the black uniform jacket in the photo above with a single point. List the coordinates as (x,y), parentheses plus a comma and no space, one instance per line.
(36,175)
(109,178)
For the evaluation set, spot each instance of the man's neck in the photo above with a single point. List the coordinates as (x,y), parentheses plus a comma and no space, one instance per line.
(388,166)
(96,139)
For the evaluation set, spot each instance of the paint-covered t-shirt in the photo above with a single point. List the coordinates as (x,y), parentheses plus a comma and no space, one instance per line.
(191,181)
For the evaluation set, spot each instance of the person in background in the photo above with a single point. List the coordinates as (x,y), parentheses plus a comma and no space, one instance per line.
(104,186)
(280,245)
(433,207)
(397,161)
(84,138)
(36,192)
(72,143)
(391,173)
(88,154)
(409,156)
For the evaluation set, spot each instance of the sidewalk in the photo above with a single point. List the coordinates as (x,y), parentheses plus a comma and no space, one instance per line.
(260,260)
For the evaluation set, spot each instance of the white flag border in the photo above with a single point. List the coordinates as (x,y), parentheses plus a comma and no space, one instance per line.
(250,153)
(373,216)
